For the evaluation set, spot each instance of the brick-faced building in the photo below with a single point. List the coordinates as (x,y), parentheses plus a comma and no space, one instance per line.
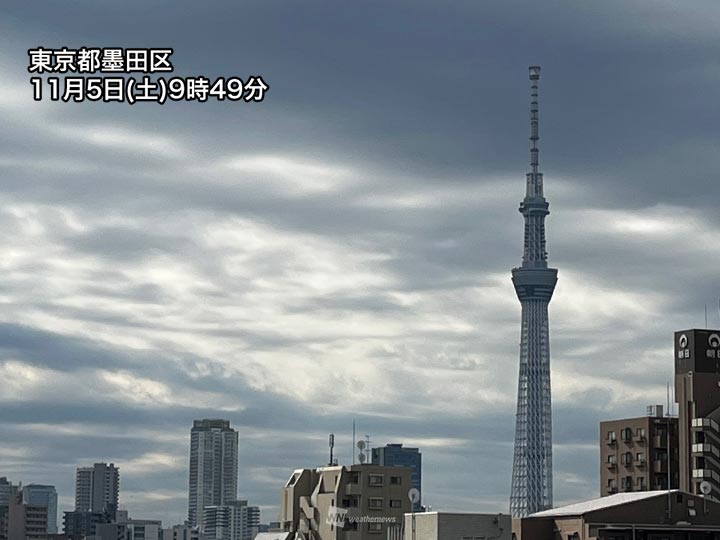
(634,453)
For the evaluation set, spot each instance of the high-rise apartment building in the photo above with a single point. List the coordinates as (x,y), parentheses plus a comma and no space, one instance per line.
(697,392)
(235,521)
(41,495)
(358,502)
(639,454)
(213,467)
(395,455)
(97,489)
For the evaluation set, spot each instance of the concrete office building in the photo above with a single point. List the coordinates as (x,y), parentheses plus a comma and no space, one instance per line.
(110,531)
(97,489)
(182,532)
(25,521)
(395,455)
(7,490)
(42,495)
(358,502)
(651,515)
(143,529)
(213,467)
(79,524)
(235,521)
(697,392)
(636,454)
(457,526)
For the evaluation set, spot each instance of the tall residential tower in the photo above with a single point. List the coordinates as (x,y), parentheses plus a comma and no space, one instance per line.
(534,284)
(213,467)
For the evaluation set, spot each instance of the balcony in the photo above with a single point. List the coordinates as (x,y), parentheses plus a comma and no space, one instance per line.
(660,441)
(611,465)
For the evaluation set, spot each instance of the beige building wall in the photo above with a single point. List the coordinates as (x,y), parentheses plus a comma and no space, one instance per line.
(359,502)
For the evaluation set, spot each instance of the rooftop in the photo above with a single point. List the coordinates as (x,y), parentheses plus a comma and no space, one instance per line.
(600,503)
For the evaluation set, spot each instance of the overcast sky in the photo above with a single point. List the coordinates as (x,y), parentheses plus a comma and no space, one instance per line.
(343,250)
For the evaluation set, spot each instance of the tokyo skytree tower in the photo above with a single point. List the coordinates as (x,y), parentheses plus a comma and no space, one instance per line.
(534,284)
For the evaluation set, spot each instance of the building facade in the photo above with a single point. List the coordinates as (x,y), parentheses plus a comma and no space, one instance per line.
(42,495)
(7,490)
(358,502)
(79,524)
(236,521)
(213,467)
(457,526)
(97,489)
(639,454)
(697,392)
(25,521)
(182,532)
(395,455)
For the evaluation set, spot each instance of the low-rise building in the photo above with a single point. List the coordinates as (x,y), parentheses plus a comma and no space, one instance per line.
(650,515)
(358,502)
(182,532)
(457,526)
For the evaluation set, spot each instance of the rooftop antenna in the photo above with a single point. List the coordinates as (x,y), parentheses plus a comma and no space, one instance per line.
(332,447)
(353,448)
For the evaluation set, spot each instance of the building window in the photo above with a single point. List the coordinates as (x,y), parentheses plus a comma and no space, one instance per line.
(375,479)
(611,436)
(611,458)
(627,459)
(641,483)
(354,478)
(395,503)
(396,480)
(374,527)
(375,502)
(626,434)
(640,433)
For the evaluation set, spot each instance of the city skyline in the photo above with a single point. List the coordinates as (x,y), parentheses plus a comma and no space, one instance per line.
(355,230)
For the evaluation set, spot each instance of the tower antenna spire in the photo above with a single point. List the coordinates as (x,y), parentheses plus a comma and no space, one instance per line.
(534,119)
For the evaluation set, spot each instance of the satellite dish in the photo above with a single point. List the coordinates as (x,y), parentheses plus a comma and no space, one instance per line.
(361,445)
(361,458)
(705,488)
(414,495)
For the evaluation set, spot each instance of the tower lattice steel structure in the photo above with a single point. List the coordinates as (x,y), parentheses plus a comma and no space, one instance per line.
(534,284)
